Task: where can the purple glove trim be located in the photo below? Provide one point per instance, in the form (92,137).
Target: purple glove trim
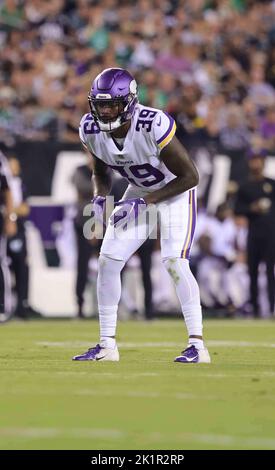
(128,211)
(98,203)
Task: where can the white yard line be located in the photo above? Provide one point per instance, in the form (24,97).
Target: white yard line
(242,323)
(101,373)
(158,344)
(218,440)
(252,442)
(38,433)
(263,323)
(141,394)
(96,373)
(241,344)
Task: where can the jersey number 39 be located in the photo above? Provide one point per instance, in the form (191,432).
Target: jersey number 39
(135,173)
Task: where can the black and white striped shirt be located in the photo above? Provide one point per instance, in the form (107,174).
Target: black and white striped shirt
(4,178)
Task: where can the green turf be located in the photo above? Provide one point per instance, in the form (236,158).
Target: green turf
(146,401)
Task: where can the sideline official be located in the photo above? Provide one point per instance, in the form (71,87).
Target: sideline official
(7,229)
(256,201)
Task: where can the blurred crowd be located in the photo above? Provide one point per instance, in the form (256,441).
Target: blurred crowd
(209,63)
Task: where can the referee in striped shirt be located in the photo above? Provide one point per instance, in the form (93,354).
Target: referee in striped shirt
(7,229)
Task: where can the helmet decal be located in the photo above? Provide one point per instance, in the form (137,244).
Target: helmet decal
(133,87)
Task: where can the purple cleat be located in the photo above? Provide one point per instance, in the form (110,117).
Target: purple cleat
(97,353)
(193,355)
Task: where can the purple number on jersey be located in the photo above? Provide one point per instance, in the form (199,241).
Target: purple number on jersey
(144,172)
(90,127)
(123,173)
(145,119)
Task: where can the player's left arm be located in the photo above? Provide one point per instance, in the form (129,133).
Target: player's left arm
(176,159)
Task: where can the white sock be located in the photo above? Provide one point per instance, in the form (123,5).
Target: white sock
(106,342)
(107,320)
(188,293)
(198,343)
(108,294)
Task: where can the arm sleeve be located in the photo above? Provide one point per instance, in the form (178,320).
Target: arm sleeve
(164,129)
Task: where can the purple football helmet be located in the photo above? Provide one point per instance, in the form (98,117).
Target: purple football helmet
(116,89)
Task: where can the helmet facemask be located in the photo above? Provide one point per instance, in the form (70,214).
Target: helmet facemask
(122,115)
(115,89)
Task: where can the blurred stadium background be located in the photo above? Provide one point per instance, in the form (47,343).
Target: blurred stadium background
(211,65)
(208,63)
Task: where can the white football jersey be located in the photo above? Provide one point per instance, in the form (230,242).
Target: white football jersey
(138,159)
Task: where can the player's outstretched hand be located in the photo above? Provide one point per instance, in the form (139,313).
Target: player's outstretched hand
(128,210)
(98,208)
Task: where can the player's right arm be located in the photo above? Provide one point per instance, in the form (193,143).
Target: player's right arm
(102,181)
(101,175)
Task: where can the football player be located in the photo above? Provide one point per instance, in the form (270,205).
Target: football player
(139,142)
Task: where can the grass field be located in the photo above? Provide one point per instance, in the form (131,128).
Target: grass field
(146,401)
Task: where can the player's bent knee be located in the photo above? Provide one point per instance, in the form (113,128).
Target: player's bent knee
(105,260)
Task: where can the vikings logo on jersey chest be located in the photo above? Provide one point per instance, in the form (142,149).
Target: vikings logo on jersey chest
(124,162)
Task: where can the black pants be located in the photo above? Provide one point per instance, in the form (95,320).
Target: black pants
(261,249)
(84,252)
(17,253)
(2,276)
(145,255)
(5,283)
